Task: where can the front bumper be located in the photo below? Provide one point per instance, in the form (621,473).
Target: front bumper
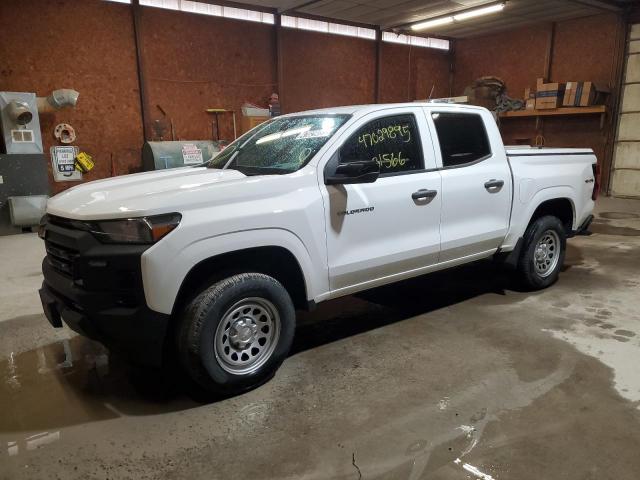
(97,291)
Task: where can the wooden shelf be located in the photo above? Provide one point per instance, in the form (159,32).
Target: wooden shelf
(556,111)
(595,110)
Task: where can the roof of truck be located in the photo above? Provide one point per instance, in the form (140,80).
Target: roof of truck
(352,109)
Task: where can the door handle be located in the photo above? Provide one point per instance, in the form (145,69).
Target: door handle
(424,194)
(493,185)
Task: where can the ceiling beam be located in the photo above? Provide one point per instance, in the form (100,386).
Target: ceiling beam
(599,5)
(293,8)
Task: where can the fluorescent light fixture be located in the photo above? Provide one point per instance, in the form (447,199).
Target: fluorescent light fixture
(478,12)
(432,23)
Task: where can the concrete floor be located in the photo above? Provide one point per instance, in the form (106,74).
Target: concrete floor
(449,376)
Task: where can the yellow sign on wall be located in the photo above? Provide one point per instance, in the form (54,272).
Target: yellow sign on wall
(84,162)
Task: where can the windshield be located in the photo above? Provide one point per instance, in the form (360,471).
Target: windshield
(279,146)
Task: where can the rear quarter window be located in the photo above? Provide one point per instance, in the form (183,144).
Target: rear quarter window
(463,138)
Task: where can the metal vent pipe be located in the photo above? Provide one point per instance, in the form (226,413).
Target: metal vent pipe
(65,97)
(19,112)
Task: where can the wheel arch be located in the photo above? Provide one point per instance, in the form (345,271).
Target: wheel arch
(273,260)
(166,265)
(560,207)
(553,201)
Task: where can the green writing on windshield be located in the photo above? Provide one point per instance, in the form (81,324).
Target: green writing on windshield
(390,160)
(388,133)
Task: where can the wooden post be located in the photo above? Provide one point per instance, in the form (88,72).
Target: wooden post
(548,61)
(452,67)
(279,61)
(137,18)
(378,64)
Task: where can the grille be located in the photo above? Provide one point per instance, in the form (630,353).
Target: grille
(61,258)
(59,255)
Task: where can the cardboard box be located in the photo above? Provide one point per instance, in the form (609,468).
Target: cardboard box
(584,94)
(592,94)
(569,94)
(549,95)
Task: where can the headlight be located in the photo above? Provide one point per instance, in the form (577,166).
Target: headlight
(141,230)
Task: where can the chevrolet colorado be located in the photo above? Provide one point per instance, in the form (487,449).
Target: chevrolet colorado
(210,262)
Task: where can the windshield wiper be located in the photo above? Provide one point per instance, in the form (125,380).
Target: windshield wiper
(234,155)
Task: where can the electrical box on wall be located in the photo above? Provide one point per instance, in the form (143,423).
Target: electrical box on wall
(20,123)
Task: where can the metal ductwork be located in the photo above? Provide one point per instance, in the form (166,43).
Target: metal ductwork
(19,112)
(19,123)
(65,97)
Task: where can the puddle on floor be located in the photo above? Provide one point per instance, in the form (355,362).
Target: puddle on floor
(619,215)
(606,320)
(73,382)
(606,229)
(612,349)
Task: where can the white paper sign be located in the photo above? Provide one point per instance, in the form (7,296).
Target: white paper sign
(63,164)
(191,154)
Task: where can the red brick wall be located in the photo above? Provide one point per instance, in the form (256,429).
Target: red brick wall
(193,62)
(324,70)
(409,74)
(583,49)
(516,56)
(86,45)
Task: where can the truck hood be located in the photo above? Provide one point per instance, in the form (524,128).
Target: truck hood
(141,194)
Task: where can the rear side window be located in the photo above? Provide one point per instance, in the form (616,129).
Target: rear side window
(463,138)
(393,142)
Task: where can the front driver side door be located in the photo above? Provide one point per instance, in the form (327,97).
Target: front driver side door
(382,231)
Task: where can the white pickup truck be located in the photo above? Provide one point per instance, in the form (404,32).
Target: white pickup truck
(209,263)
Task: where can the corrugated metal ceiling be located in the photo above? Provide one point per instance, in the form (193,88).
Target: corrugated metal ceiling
(390,14)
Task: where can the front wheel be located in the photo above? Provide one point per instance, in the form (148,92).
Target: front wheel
(542,253)
(236,333)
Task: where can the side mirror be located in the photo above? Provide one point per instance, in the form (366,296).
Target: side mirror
(361,171)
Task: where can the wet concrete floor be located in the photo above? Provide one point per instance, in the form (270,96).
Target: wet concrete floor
(450,376)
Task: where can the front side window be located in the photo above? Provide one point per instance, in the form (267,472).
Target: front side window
(280,146)
(393,142)
(463,138)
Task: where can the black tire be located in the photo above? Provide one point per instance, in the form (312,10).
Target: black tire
(531,277)
(197,335)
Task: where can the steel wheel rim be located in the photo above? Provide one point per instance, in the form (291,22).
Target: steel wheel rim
(247,335)
(546,255)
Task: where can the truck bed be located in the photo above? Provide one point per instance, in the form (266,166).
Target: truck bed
(527,150)
(539,173)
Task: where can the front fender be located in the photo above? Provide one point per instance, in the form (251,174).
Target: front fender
(165,266)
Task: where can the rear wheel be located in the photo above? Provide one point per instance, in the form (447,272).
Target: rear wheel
(236,333)
(542,253)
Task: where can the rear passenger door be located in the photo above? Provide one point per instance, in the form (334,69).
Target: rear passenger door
(476,183)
